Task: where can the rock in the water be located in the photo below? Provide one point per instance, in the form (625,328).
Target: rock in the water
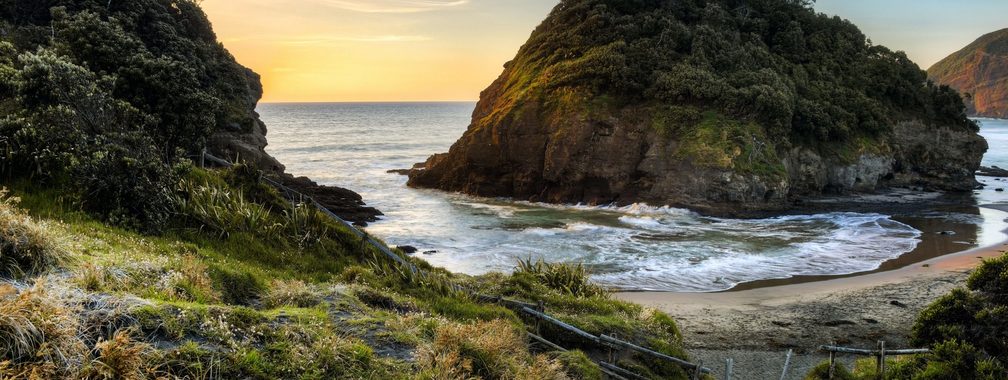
(993,171)
(430,252)
(407,249)
(947,233)
(636,103)
(345,203)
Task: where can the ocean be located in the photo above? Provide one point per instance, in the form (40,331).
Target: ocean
(639,247)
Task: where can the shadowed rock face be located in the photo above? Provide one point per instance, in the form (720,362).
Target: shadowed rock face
(980,70)
(538,135)
(246,143)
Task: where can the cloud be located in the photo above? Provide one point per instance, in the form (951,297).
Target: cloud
(393,6)
(321,40)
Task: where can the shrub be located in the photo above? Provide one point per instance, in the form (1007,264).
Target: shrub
(821,372)
(26,246)
(991,279)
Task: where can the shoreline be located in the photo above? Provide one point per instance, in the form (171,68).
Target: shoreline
(756,326)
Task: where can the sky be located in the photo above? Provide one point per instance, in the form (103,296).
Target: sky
(438,50)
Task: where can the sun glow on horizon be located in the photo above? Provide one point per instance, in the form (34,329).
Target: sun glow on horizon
(450,50)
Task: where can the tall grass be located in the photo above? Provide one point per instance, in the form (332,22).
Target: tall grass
(27,246)
(489,350)
(568,279)
(224,210)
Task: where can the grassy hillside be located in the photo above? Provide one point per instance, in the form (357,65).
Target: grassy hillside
(121,259)
(244,285)
(980,72)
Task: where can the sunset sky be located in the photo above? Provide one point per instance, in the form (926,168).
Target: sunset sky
(416,50)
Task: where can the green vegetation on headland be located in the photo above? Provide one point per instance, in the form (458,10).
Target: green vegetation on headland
(119,258)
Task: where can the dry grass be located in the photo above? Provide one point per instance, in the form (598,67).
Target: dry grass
(27,246)
(37,327)
(490,350)
(292,293)
(121,357)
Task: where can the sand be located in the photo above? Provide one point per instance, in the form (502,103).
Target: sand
(756,327)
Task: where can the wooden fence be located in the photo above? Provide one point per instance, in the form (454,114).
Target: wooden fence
(880,355)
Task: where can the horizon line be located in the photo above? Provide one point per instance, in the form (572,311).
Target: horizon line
(363,101)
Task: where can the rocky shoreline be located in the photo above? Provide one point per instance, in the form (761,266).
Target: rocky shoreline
(345,203)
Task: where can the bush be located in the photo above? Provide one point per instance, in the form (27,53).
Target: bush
(27,246)
(127,185)
(821,372)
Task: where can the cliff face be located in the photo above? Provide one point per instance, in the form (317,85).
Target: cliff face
(980,70)
(712,105)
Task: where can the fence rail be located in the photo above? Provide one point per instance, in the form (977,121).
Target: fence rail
(880,355)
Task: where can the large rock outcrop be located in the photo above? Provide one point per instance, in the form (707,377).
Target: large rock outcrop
(979,70)
(717,105)
(243,139)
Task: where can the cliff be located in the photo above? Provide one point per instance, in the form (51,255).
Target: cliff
(980,71)
(716,105)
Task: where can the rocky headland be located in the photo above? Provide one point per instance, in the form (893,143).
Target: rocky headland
(980,72)
(720,108)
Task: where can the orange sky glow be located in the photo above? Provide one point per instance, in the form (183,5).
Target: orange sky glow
(433,50)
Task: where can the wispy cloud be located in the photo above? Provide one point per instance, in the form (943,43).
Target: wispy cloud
(394,6)
(319,40)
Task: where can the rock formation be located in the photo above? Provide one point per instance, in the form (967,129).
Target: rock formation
(980,72)
(721,107)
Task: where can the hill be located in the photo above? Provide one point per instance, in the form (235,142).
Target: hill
(722,106)
(980,72)
(123,258)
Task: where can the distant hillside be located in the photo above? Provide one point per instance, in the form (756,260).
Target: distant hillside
(980,72)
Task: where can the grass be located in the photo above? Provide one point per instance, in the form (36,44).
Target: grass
(287,294)
(27,246)
(713,140)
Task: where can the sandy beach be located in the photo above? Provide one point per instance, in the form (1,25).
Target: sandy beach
(756,327)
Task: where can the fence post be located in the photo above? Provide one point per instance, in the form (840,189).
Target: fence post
(698,371)
(787,363)
(881,360)
(729,367)
(832,361)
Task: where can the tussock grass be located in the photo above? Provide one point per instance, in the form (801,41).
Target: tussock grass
(27,246)
(569,279)
(292,293)
(121,357)
(489,350)
(37,327)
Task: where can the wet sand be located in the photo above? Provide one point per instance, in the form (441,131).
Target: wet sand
(756,325)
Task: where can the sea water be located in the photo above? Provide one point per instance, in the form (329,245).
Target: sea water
(638,247)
